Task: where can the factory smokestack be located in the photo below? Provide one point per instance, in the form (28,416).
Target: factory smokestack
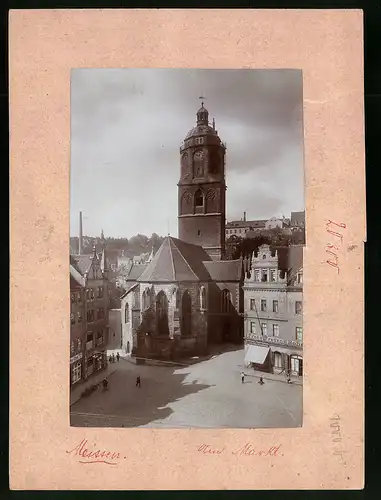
(80,241)
(244,216)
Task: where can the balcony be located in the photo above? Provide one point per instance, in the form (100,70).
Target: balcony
(89,345)
(265,340)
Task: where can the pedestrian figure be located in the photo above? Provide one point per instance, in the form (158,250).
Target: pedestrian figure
(117,356)
(260,381)
(242,377)
(113,357)
(110,359)
(288,378)
(138,381)
(105,384)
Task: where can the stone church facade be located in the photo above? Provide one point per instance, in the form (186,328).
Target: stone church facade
(188,298)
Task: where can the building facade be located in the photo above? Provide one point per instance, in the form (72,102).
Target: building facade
(89,316)
(273,303)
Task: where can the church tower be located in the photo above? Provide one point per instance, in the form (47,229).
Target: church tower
(201,189)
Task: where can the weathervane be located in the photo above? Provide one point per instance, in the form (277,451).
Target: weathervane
(202,100)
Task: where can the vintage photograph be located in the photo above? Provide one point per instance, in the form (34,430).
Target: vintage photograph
(187,229)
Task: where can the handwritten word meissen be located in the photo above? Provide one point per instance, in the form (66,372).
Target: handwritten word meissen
(95,455)
(331,248)
(246,450)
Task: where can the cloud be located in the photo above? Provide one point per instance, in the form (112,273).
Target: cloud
(127,126)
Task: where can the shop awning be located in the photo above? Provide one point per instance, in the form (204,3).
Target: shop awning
(256,354)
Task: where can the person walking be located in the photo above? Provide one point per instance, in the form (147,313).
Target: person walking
(138,381)
(110,359)
(117,356)
(260,381)
(242,377)
(113,357)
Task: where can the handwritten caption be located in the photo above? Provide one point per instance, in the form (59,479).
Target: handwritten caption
(335,229)
(337,438)
(91,454)
(245,450)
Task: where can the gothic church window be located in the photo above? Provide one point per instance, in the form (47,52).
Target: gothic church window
(202,298)
(225,301)
(127,314)
(199,201)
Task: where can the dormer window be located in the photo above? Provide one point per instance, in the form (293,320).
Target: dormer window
(264,275)
(272,275)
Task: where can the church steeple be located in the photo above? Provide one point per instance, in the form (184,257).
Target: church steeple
(201,218)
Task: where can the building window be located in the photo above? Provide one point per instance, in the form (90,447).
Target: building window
(272,275)
(202,298)
(90,315)
(299,334)
(100,292)
(89,337)
(91,294)
(298,307)
(225,301)
(79,297)
(264,329)
(79,344)
(87,294)
(100,313)
(275,330)
(127,313)
(79,317)
(76,372)
(72,319)
(198,233)
(72,347)
(252,327)
(257,276)
(263,305)
(264,257)
(72,298)
(264,275)
(275,306)
(252,304)
(299,277)
(277,360)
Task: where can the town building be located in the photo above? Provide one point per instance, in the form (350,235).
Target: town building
(88,315)
(241,227)
(188,297)
(273,304)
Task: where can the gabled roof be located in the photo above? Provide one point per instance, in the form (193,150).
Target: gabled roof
(128,290)
(295,260)
(76,279)
(82,262)
(175,261)
(224,270)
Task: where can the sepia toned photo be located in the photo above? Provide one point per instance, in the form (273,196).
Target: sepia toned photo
(187,229)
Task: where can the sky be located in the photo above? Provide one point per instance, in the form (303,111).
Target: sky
(127,126)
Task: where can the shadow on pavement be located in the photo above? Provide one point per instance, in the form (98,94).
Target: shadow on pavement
(125,405)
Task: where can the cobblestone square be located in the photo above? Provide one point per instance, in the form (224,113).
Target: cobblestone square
(208,394)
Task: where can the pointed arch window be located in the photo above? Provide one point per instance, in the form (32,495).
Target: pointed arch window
(226,301)
(127,313)
(199,201)
(202,298)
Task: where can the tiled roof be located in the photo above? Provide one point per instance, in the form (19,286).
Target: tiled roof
(228,270)
(177,260)
(135,272)
(82,262)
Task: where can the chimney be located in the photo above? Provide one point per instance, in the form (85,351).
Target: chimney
(80,242)
(244,216)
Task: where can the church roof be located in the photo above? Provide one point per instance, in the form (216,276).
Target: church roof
(135,271)
(201,130)
(175,261)
(224,270)
(76,279)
